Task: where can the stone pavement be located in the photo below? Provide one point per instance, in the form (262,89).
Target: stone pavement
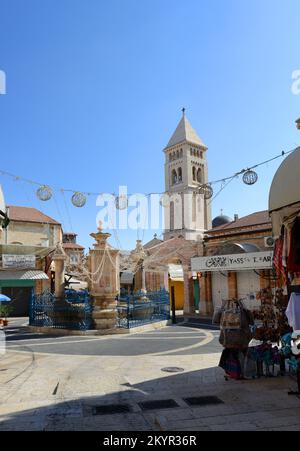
(48,384)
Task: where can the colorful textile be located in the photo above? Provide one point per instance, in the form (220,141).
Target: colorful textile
(231,364)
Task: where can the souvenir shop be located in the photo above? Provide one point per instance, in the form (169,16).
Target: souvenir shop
(284,208)
(266,341)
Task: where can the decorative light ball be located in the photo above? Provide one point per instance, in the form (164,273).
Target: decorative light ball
(250,177)
(121,202)
(44,193)
(164,200)
(207,191)
(78,200)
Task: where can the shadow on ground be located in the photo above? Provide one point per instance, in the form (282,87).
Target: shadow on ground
(246,405)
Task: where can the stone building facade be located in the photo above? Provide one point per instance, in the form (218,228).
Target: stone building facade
(25,246)
(246,246)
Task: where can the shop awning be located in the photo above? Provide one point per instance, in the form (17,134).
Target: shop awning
(20,249)
(126,278)
(176,273)
(23,275)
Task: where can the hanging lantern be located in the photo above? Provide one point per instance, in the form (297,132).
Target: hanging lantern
(250,177)
(207,191)
(165,200)
(121,202)
(78,200)
(44,193)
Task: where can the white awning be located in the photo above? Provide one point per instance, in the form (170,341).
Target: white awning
(126,278)
(23,275)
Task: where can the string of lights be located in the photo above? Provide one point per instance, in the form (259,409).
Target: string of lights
(79,198)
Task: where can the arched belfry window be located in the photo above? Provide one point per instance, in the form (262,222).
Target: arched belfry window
(194,173)
(179,175)
(199,176)
(174,177)
(177,154)
(181,153)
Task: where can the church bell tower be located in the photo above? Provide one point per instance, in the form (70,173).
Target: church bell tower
(186,212)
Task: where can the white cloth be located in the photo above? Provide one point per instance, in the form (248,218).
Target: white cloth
(293,311)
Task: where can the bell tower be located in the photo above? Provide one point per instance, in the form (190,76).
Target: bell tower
(187,213)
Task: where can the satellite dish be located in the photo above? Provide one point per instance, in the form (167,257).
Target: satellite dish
(2,202)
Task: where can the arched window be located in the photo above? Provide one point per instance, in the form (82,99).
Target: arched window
(194,173)
(177,154)
(181,153)
(179,175)
(199,176)
(170,157)
(198,154)
(174,177)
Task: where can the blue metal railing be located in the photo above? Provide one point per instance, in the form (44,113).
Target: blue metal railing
(139,309)
(73,313)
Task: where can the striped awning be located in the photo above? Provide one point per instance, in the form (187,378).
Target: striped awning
(26,274)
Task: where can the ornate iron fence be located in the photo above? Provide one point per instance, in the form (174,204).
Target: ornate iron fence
(73,313)
(139,309)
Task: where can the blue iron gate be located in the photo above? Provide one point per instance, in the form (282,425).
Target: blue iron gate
(75,313)
(137,309)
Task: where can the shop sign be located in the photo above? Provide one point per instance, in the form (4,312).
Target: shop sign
(234,262)
(18,261)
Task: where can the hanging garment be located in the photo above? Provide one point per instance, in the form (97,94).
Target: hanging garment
(232,362)
(293,311)
(285,247)
(294,252)
(278,261)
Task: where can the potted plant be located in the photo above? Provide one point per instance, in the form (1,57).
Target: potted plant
(5,311)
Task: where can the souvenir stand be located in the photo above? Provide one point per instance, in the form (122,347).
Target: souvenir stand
(284,209)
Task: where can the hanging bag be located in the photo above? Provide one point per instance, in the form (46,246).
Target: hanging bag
(231,317)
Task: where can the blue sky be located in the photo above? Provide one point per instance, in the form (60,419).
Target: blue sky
(95,89)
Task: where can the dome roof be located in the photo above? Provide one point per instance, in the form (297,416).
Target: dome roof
(286,183)
(221,220)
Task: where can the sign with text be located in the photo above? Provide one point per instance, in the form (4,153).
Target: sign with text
(18,261)
(234,262)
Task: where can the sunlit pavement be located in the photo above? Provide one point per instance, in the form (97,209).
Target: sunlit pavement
(55,383)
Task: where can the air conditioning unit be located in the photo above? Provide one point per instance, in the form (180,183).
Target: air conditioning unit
(269,241)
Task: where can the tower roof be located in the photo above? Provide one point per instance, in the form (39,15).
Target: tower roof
(185,133)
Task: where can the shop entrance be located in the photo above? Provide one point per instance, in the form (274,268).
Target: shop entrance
(219,288)
(248,285)
(20,293)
